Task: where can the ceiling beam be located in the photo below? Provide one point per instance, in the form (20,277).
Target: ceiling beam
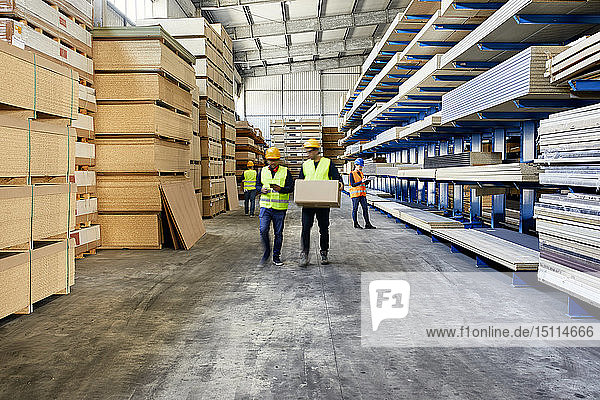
(301,66)
(216,4)
(312,24)
(306,49)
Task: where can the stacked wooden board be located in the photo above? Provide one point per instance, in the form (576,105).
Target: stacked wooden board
(428,221)
(144,130)
(61,31)
(289,135)
(212,49)
(331,147)
(515,172)
(570,148)
(249,146)
(465,159)
(37,173)
(501,251)
(569,230)
(580,60)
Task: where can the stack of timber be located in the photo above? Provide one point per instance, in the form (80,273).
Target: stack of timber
(249,146)
(144,130)
(465,159)
(569,229)
(579,61)
(37,192)
(60,31)
(195,152)
(212,48)
(515,172)
(570,148)
(427,221)
(331,147)
(291,133)
(504,252)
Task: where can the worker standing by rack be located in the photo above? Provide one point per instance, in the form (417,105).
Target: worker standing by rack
(358,194)
(316,168)
(275,183)
(249,187)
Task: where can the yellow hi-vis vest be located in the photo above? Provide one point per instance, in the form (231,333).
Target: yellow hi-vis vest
(249,182)
(321,173)
(273,199)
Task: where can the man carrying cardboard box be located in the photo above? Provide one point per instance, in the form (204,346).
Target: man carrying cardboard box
(358,194)
(316,168)
(275,183)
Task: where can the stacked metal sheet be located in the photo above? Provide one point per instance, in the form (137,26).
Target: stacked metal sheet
(569,230)
(570,148)
(465,159)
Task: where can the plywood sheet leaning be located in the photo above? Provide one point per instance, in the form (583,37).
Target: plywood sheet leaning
(182,209)
(232,193)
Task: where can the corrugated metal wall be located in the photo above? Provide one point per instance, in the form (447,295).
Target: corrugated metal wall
(311,94)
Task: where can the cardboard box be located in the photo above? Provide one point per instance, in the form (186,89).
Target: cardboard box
(319,194)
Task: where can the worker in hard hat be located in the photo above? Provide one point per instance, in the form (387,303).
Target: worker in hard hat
(275,183)
(316,167)
(249,187)
(358,194)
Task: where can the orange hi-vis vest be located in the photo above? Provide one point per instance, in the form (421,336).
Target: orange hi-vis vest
(360,190)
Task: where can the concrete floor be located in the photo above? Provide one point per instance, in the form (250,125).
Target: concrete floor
(208,323)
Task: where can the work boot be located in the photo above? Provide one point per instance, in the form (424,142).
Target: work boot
(304,260)
(369,226)
(324,259)
(357,226)
(277,261)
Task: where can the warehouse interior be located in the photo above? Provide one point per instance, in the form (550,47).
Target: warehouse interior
(164,162)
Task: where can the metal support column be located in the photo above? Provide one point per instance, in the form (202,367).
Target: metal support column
(405,156)
(444,201)
(476,142)
(458,199)
(421,191)
(405,190)
(431,193)
(421,154)
(412,191)
(526,221)
(528,132)
(458,145)
(413,155)
(443,148)
(499,200)
(475,208)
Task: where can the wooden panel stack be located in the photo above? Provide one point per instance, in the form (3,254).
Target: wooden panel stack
(38,98)
(212,49)
(569,229)
(196,153)
(249,146)
(465,159)
(579,61)
(331,147)
(295,132)
(144,130)
(60,31)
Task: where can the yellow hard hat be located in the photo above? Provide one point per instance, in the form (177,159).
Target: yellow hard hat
(273,153)
(312,144)
(251,163)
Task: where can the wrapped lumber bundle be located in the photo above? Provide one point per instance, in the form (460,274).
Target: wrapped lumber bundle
(39,101)
(465,159)
(570,148)
(569,231)
(146,104)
